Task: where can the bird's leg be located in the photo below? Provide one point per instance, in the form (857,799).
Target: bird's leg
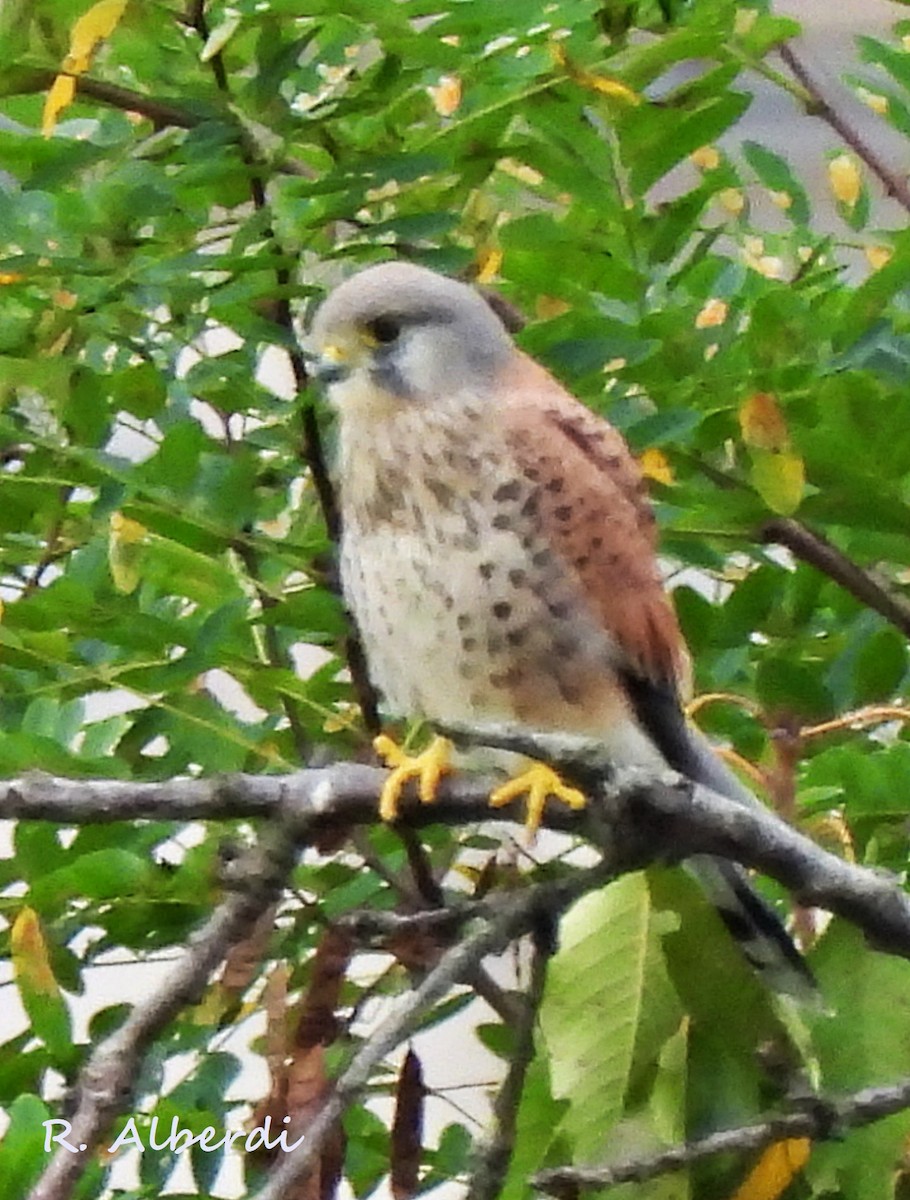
(538,782)
(427,768)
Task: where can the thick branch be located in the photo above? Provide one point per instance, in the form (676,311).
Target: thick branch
(812,548)
(105,1085)
(512,916)
(639,819)
(821,1119)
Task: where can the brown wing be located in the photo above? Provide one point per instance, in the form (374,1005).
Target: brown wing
(594,507)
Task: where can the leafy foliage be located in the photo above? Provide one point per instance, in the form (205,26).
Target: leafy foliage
(166,563)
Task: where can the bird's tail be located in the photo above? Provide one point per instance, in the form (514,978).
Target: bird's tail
(756,927)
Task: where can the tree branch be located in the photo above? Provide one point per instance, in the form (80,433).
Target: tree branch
(637,819)
(105,1084)
(894,183)
(816,550)
(491,1170)
(510,917)
(821,1119)
(161,112)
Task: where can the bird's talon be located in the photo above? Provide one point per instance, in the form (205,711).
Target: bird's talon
(538,782)
(427,768)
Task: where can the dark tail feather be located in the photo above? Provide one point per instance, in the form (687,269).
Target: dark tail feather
(751,921)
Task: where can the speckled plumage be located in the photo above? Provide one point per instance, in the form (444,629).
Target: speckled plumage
(498,552)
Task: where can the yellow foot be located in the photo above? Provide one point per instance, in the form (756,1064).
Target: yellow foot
(427,768)
(539,782)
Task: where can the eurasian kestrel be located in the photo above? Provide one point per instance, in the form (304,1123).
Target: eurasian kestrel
(498,552)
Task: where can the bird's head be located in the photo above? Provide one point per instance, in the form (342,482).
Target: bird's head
(401,334)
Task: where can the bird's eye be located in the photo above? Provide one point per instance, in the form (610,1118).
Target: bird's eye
(384,330)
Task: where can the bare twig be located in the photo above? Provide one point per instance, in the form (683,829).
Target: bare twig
(276,655)
(822,1118)
(493,1164)
(893,182)
(512,916)
(814,549)
(161,112)
(105,1085)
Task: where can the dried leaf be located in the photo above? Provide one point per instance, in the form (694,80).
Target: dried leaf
(317,1023)
(775,1170)
(763,424)
(407,1129)
(713,313)
(244,958)
(446,95)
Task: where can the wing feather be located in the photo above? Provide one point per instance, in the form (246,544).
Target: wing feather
(594,507)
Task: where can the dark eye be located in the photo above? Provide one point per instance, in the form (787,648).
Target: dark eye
(384,329)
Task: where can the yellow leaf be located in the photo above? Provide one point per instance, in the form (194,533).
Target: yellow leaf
(446,95)
(124,552)
(781,199)
(763,424)
(732,200)
(548,307)
(706,158)
(488,263)
(591,81)
(845,179)
(60,96)
(93,27)
(7,277)
(878,256)
(713,313)
(873,100)
(654,465)
(775,1170)
(779,478)
(29,953)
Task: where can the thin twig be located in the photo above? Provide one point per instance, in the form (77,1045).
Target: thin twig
(276,655)
(816,550)
(821,1119)
(161,112)
(895,184)
(492,1167)
(105,1085)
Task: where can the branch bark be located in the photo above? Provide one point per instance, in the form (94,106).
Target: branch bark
(637,819)
(818,552)
(893,182)
(105,1085)
(821,1119)
(508,918)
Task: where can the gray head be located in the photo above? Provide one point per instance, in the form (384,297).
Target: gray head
(406,335)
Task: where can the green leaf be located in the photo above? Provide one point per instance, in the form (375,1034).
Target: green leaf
(592,1008)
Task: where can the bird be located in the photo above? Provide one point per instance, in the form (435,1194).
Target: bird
(498,556)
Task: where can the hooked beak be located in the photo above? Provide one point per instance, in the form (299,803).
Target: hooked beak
(331,366)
